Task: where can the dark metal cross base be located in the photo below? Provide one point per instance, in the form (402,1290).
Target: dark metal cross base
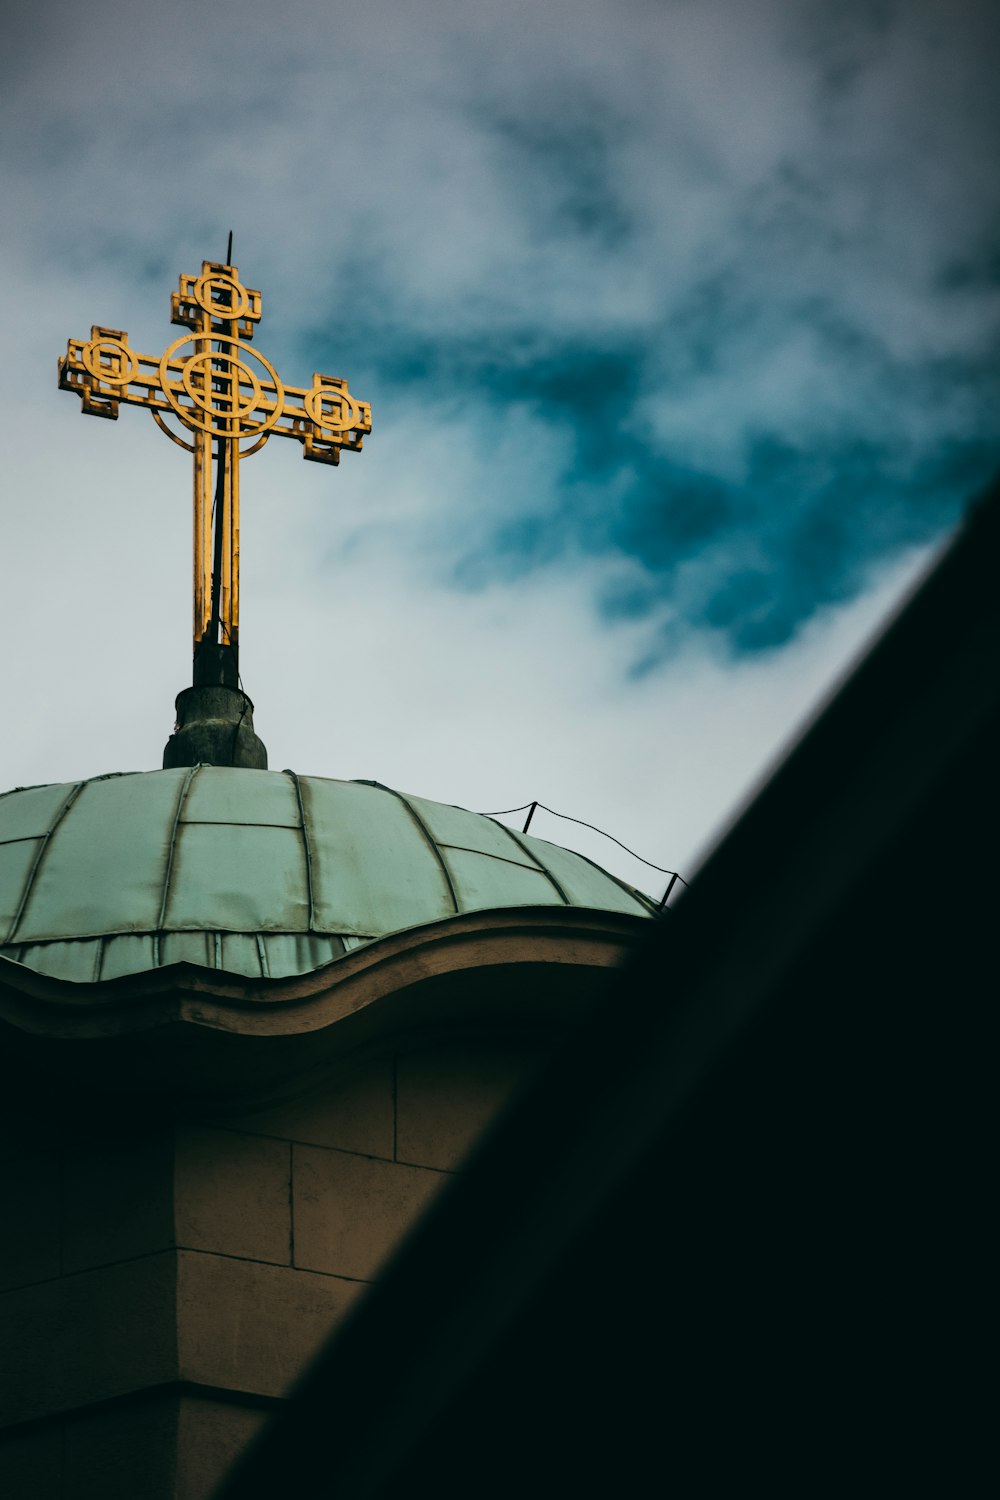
(215,665)
(214,728)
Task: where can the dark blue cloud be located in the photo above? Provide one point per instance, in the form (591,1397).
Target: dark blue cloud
(976,270)
(559,161)
(804,382)
(748,552)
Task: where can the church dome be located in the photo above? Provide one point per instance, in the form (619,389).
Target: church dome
(257,873)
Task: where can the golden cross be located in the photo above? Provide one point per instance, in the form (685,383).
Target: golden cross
(217,387)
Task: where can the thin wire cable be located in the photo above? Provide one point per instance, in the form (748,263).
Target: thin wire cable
(239,722)
(594,828)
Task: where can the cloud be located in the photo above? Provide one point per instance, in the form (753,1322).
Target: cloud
(679,322)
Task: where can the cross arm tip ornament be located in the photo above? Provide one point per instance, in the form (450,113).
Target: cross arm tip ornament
(99,370)
(335,420)
(218,292)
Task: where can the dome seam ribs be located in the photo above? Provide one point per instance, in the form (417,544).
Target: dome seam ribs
(432,842)
(29,884)
(522,845)
(623,885)
(181,799)
(307,848)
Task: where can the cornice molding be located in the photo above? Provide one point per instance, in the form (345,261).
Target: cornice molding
(187,1025)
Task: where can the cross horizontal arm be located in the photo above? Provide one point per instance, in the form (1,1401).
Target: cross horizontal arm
(221,387)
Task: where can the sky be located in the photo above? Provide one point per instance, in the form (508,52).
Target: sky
(679,322)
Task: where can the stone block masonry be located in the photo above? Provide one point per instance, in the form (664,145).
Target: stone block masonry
(163,1286)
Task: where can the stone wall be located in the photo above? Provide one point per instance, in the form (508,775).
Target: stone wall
(162,1286)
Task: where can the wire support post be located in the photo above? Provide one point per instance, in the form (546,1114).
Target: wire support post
(670,885)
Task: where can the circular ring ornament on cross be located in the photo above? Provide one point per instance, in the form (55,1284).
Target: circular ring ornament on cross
(252,406)
(231,306)
(122,368)
(344,419)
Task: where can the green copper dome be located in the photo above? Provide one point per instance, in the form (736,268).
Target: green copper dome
(259,873)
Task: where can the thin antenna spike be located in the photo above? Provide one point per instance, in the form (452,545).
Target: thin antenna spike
(229,250)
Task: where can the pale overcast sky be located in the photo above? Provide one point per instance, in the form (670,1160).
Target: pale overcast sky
(678,318)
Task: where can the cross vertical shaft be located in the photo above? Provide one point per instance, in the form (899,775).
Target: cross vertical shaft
(216,510)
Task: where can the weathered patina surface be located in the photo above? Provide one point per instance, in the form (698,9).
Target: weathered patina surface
(256,873)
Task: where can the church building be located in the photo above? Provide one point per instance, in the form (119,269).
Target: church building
(252,1021)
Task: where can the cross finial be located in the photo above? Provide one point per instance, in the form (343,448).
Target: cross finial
(227,400)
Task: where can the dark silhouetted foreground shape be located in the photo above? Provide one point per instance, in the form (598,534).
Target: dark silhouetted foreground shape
(756,1258)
